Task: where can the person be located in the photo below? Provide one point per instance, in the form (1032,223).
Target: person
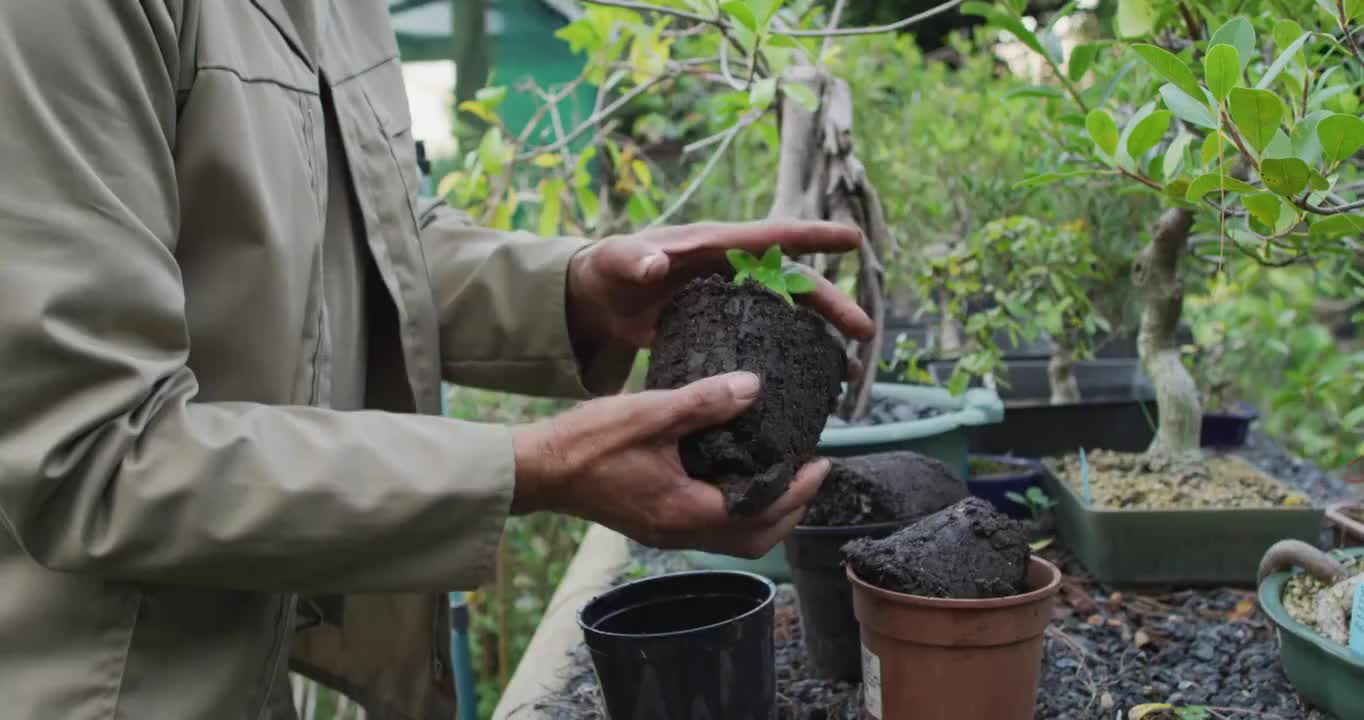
(224,319)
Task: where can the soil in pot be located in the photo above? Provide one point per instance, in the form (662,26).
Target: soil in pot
(865,496)
(1302,590)
(883,487)
(952,612)
(1120,481)
(713,326)
(967,551)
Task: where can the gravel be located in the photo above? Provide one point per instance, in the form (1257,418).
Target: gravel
(1105,651)
(888,410)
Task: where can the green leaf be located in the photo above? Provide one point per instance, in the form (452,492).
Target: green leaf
(1135,18)
(1341,136)
(588,204)
(1306,144)
(551,192)
(1337,226)
(1280,146)
(491,97)
(760,96)
(1186,108)
(1222,70)
(1148,132)
(1256,114)
(742,260)
(1285,32)
(1051,177)
(1204,184)
(740,277)
(1174,155)
(1264,206)
(1285,176)
(1316,181)
(1015,497)
(1016,27)
(741,14)
(958,383)
(1284,58)
(772,258)
(493,151)
(1170,67)
(785,42)
(1081,60)
(1103,131)
(1211,144)
(801,94)
(798,283)
(1239,34)
(1035,91)
(1354,418)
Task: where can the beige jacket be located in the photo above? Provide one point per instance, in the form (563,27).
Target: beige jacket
(169,478)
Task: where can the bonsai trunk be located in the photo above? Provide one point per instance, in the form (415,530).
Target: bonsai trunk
(819,178)
(1155,275)
(1065,388)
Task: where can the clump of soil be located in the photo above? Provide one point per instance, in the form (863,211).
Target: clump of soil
(1302,589)
(968,551)
(883,487)
(713,327)
(1118,480)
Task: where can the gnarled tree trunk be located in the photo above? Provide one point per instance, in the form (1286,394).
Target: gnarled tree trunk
(819,178)
(1065,388)
(1156,276)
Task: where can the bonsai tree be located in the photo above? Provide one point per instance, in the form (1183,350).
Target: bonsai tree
(1246,126)
(767,65)
(1017,277)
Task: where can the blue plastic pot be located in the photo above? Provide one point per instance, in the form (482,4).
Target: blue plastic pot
(942,436)
(1227,429)
(995,488)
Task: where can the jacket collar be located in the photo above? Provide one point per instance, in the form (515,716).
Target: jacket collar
(297,21)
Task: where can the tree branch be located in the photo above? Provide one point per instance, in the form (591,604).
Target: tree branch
(834,16)
(650,7)
(725,140)
(595,120)
(1349,36)
(873,30)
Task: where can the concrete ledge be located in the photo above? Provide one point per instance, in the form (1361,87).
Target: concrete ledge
(603,555)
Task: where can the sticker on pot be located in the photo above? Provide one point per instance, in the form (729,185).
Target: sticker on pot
(1357,622)
(871,683)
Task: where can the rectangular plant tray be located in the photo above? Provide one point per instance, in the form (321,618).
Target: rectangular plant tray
(1174,547)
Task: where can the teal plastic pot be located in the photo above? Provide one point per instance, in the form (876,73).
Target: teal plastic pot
(942,437)
(1323,672)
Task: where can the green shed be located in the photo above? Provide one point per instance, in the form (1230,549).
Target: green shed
(505,41)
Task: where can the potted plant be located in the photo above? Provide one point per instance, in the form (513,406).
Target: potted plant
(1010,483)
(869,496)
(952,612)
(1308,595)
(1018,278)
(1210,140)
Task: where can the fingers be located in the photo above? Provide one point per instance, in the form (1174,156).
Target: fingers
(632,258)
(796,237)
(832,303)
(804,486)
(704,403)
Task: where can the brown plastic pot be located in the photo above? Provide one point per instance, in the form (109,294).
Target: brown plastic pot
(938,659)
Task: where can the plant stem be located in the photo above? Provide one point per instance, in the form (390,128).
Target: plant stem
(1349,35)
(872,30)
(695,184)
(595,120)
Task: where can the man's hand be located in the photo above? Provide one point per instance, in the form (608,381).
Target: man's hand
(617,287)
(614,461)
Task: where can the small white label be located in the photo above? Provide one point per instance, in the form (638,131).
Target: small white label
(871,683)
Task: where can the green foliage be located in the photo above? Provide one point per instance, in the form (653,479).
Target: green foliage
(1035,500)
(769,272)
(1016,277)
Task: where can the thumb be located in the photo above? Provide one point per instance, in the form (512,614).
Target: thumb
(705,403)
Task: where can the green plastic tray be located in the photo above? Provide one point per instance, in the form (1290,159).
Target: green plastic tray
(942,437)
(1174,547)
(1323,672)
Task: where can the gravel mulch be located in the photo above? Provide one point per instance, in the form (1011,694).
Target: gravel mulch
(1105,652)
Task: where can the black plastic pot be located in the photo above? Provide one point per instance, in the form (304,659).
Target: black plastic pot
(831,634)
(995,487)
(1227,429)
(685,646)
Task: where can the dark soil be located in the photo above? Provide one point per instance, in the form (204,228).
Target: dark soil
(968,551)
(713,327)
(884,487)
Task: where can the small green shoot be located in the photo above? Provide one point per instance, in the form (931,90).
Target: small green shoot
(1036,501)
(769,272)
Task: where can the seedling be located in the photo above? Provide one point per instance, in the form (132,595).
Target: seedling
(1036,501)
(769,273)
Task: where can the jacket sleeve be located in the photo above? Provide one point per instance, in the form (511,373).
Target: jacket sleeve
(108,465)
(501,298)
